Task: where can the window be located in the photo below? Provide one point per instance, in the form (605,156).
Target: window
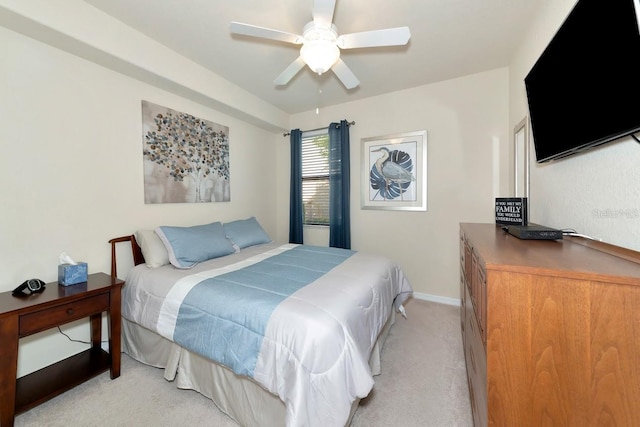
(315,177)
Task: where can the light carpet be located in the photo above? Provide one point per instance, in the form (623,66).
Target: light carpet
(423,383)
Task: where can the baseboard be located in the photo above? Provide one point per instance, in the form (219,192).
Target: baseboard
(436,298)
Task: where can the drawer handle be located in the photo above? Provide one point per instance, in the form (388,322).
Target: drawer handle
(70,311)
(473,360)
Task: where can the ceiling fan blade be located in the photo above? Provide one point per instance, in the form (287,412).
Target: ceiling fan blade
(267,33)
(323,12)
(388,37)
(289,72)
(344,73)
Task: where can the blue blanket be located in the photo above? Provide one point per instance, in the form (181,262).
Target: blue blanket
(224,318)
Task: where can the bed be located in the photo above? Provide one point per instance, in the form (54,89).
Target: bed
(274,334)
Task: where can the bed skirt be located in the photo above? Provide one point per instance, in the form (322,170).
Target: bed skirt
(241,398)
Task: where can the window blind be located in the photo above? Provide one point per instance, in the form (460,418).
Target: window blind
(315,177)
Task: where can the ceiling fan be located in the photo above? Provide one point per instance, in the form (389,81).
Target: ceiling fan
(321,44)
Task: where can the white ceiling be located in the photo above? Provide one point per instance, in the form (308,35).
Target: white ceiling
(449,39)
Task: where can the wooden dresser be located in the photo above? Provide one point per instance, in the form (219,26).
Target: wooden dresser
(551,330)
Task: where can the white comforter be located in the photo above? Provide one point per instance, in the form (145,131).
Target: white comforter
(313,352)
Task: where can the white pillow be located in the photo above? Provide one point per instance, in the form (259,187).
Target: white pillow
(154,252)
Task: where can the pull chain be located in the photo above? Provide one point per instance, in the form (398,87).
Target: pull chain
(318,96)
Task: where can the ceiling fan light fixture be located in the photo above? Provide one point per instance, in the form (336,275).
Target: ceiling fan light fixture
(319,49)
(320,55)
(321,45)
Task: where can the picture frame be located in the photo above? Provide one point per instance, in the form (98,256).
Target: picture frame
(394,172)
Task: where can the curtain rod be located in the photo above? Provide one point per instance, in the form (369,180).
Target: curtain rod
(353,123)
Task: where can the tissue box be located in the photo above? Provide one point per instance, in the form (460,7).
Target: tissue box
(70,274)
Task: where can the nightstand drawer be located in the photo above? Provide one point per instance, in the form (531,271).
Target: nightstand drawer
(49,318)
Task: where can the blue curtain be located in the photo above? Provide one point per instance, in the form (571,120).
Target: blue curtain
(295,196)
(339,186)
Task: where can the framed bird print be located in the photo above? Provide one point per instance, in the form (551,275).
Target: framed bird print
(394,172)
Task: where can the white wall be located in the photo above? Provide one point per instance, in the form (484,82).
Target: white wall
(71,168)
(466,120)
(87,32)
(595,193)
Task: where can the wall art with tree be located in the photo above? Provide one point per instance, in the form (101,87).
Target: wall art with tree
(186,159)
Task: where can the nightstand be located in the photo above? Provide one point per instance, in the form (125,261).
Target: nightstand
(57,305)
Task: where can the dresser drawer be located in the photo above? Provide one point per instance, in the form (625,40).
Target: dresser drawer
(476,360)
(54,316)
(475,350)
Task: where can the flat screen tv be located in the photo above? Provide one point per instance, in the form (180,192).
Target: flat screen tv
(584,90)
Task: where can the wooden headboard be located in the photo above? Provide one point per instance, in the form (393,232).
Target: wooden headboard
(138,258)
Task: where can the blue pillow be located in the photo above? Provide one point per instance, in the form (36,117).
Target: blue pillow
(188,246)
(246,232)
